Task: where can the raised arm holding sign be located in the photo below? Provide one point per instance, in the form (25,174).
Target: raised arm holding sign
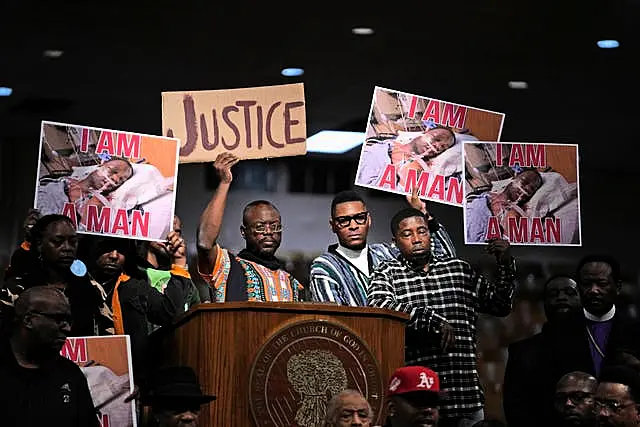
(254,274)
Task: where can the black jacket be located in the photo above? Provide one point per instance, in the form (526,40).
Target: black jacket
(56,394)
(141,303)
(523,385)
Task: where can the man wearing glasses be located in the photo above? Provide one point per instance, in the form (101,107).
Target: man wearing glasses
(617,398)
(39,386)
(573,400)
(254,274)
(341,275)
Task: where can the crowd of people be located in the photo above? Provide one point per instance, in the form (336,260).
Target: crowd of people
(582,369)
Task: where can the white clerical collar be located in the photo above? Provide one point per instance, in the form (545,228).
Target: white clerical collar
(607,316)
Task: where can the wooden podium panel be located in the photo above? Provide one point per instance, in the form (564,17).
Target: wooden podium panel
(278,363)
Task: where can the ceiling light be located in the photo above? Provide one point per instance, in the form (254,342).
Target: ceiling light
(518,84)
(5,91)
(53,54)
(292,72)
(362,31)
(608,44)
(334,141)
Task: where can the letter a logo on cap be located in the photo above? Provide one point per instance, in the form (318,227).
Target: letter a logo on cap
(425,381)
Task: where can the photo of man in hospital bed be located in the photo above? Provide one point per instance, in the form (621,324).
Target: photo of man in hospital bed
(436,150)
(84,179)
(508,194)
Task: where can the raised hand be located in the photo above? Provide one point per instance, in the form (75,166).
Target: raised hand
(223,164)
(177,249)
(500,249)
(417,203)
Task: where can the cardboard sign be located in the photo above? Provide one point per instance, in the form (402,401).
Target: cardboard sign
(252,123)
(524,192)
(108,182)
(413,141)
(106,363)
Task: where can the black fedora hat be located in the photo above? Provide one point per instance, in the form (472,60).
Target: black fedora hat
(175,383)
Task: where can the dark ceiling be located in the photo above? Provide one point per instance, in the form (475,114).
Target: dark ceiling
(118,57)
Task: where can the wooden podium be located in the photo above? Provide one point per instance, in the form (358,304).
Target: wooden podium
(277,364)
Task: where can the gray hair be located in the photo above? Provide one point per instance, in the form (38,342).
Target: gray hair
(336,402)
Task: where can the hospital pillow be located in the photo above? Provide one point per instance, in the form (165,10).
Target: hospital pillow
(554,192)
(145,184)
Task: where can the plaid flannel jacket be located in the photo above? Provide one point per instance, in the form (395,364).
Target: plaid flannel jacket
(450,291)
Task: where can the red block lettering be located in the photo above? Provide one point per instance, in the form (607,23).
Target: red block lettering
(537,231)
(129,145)
(536,156)
(454,116)
(528,155)
(388,177)
(413,181)
(499,155)
(553,229)
(104,420)
(518,229)
(106,144)
(98,220)
(493,229)
(75,349)
(412,108)
(140,223)
(454,191)
(69,210)
(84,141)
(445,114)
(121,223)
(437,188)
(432,112)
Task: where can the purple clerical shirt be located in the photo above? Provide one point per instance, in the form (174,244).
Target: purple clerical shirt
(600,332)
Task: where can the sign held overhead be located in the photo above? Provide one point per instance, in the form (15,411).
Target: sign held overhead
(252,123)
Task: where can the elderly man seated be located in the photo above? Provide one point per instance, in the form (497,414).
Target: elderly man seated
(349,408)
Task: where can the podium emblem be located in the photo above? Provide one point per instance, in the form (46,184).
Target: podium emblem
(302,365)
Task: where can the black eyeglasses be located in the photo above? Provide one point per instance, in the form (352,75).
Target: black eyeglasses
(344,221)
(58,318)
(612,406)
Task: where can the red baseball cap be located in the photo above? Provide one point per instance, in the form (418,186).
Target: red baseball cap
(413,378)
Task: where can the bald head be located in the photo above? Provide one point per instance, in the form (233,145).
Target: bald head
(39,298)
(42,323)
(348,408)
(578,377)
(574,398)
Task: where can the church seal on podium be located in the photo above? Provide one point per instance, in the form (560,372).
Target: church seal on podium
(302,365)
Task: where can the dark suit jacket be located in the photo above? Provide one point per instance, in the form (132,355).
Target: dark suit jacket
(522,383)
(536,364)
